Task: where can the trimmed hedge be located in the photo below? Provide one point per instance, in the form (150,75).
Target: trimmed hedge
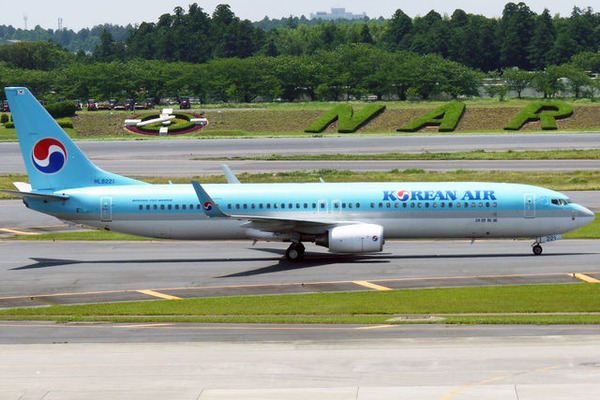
(182,123)
(347,121)
(547,112)
(446,117)
(3,119)
(65,123)
(63,109)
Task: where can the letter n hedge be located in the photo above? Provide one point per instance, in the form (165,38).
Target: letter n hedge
(348,122)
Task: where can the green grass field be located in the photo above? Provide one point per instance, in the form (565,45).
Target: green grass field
(592,154)
(540,304)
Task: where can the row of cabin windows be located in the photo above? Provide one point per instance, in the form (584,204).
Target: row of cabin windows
(458,204)
(169,207)
(290,206)
(322,205)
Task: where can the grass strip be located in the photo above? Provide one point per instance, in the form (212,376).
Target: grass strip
(591,154)
(561,181)
(581,300)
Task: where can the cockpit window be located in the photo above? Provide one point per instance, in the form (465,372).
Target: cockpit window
(561,202)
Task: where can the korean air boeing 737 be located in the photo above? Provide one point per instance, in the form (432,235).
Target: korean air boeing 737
(344,217)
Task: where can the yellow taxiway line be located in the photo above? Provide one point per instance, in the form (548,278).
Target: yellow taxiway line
(19,232)
(158,294)
(371,285)
(585,278)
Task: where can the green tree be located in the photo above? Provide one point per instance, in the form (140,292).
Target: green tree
(397,30)
(548,81)
(516,28)
(517,79)
(544,35)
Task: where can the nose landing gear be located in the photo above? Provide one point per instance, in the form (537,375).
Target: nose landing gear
(537,249)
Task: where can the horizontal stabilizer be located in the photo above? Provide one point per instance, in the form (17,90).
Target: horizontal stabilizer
(34,194)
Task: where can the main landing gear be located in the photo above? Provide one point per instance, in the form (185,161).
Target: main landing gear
(537,249)
(295,252)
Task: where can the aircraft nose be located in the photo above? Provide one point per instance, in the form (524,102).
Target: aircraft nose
(585,215)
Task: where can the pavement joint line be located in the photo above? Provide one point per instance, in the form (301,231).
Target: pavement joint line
(158,294)
(371,285)
(584,277)
(8,230)
(498,378)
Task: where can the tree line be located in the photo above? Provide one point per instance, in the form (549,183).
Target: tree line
(223,58)
(520,38)
(351,71)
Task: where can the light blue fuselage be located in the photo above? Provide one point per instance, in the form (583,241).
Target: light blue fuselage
(405,210)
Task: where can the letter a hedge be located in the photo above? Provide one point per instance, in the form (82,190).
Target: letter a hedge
(446,117)
(547,112)
(347,121)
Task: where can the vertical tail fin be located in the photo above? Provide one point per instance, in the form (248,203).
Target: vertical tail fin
(52,160)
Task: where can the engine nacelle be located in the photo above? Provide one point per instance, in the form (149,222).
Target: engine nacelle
(356,238)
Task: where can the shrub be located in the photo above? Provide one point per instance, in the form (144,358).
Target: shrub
(547,112)
(65,123)
(446,117)
(3,119)
(347,121)
(9,125)
(63,109)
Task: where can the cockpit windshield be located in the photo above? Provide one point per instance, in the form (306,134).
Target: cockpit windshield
(561,202)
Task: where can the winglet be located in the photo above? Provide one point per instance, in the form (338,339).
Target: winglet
(231,178)
(211,209)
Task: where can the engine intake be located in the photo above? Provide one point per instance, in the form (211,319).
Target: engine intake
(357,238)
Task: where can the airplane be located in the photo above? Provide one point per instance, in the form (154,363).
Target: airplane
(346,218)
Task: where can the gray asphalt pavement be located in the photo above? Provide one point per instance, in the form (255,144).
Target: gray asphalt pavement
(545,364)
(42,268)
(176,157)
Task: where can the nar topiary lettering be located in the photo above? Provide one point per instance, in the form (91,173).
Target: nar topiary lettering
(348,122)
(547,112)
(445,117)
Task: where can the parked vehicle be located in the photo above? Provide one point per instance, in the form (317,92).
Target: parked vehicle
(5,107)
(184,103)
(112,104)
(129,104)
(103,105)
(148,103)
(92,105)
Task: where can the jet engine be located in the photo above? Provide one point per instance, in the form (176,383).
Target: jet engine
(356,238)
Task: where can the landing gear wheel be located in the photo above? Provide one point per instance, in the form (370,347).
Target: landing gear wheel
(537,249)
(295,252)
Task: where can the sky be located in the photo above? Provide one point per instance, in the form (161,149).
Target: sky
(85,14)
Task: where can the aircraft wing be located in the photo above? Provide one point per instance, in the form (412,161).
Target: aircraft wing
(279,225)
(265,223)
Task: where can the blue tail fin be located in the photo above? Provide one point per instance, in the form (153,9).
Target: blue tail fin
(52,160)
